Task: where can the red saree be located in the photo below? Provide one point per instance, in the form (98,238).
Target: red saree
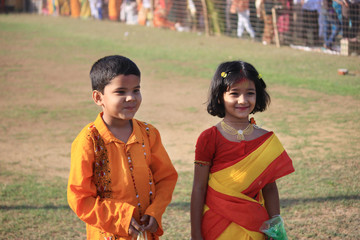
(234,204)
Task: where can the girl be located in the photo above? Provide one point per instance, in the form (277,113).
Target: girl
(236,162)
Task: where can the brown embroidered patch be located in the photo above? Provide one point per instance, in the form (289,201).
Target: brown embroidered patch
(102,174)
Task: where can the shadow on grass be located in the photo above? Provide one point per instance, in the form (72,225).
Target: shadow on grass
(26,207)
(285,202)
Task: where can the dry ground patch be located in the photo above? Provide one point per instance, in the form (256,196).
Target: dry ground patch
(46,102)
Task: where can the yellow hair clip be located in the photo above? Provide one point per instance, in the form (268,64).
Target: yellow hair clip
(224,74)
(260,76)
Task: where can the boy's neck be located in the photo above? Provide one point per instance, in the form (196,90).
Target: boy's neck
(121,129)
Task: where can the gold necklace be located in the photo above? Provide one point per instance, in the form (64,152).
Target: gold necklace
(240,134)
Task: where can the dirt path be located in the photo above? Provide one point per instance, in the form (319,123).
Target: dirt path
(40,122)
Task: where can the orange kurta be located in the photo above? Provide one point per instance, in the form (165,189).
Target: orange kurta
(111,216)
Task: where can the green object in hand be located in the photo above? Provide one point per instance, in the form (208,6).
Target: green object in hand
(274,228)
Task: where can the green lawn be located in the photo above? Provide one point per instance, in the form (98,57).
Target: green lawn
(45,102)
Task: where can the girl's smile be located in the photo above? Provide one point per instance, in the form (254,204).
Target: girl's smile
(242,108)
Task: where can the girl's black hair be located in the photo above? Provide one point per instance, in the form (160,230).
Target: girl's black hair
(225,76)
(107,68)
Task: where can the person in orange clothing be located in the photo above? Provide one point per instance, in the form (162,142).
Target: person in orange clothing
(121,177)
(161,11)
(237,163)
(114,9)
(75,8)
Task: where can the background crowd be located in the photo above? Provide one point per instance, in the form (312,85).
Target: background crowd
(312,23)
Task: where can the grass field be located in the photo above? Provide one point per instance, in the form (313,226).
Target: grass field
(46,101)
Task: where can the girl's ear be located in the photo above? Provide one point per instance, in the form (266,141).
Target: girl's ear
(97,97)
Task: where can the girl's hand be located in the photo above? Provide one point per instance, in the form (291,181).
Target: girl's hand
(150,223)
(135,228)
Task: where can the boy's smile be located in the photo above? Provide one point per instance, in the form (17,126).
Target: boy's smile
(121,99)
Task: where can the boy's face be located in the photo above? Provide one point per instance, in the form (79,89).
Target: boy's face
(121,98)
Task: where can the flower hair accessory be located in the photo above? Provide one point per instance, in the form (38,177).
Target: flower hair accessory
(259,76)
(252,121)
(224,74)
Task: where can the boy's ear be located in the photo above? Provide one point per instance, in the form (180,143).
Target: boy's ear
(97,97)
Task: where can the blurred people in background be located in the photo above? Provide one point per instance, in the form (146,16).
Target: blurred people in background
(161,11)
(53,7)
(85,11)
(96,8)
(283,21)
(199,20)
(350,18)
(145,16)
(192,14)
(266,8)
(129,12)
(259,24)
(332,24)
(314,23)
(114,9)
(75,8)
(241,7)
(64,7)
(297,21)
(310,16)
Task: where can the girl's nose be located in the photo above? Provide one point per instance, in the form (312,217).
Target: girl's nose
(241,99)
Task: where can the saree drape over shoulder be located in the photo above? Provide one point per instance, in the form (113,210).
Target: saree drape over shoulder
(234,207)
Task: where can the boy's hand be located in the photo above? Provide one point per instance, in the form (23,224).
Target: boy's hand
(135,228)
(150,223)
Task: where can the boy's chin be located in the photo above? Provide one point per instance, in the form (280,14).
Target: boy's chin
(127,116)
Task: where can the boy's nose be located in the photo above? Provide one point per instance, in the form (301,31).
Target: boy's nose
(130,97)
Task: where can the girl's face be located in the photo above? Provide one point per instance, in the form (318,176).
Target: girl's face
(240,100)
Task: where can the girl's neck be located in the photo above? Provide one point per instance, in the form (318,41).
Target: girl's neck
(237,123)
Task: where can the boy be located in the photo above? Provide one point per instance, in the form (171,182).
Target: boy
(121,178)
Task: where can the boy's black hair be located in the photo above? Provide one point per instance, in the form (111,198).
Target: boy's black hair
(107,68)
(226,75)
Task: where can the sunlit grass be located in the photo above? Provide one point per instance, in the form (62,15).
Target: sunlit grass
(44,67)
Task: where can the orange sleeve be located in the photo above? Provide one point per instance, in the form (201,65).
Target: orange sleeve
(106,214)
(165,177)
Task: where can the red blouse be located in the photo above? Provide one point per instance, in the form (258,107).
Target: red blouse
(213,148)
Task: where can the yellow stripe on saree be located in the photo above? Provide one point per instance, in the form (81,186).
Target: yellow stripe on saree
(234,192)
(238,177)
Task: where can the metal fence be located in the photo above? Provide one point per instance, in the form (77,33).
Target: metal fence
(330,26)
